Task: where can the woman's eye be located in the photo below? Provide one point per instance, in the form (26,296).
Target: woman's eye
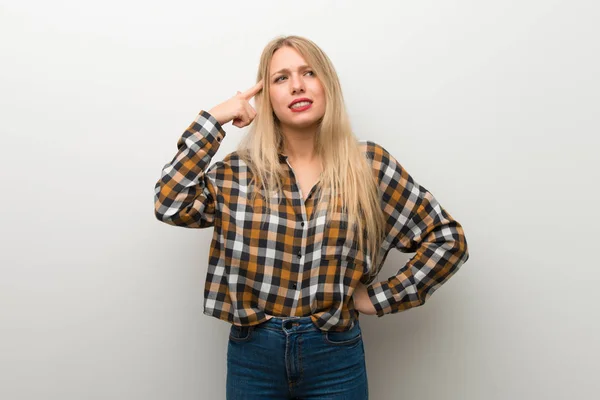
(283,76)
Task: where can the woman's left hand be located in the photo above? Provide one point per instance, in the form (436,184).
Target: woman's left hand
(362,301)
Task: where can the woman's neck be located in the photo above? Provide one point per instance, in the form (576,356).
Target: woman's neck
(299,144)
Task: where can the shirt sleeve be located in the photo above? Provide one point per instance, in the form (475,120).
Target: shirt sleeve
(417,223)
(186,193)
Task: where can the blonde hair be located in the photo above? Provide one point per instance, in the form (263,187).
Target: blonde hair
(347,176)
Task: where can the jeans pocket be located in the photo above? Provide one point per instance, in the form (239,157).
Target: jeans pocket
(240,333)
(343,338)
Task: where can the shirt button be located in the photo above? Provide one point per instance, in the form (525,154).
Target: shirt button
(299,254)
(302,223)
(294,286)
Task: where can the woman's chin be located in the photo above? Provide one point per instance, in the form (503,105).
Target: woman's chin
(302,122)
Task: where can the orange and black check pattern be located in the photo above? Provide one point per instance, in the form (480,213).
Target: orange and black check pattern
(292,259)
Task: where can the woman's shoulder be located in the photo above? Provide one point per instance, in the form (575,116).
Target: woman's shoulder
(231,168)
(233,158)
(377,155)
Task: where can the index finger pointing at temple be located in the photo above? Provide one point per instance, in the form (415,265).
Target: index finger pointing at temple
(250,93)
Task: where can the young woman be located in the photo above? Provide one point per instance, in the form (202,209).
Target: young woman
(304,215)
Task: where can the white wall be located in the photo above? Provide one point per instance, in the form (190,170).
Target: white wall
(492,106)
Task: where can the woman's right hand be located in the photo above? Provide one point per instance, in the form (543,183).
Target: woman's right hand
(237,108)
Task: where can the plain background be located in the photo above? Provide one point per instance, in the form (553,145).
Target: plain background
(491,105)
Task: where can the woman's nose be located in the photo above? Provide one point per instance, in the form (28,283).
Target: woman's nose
(297,85)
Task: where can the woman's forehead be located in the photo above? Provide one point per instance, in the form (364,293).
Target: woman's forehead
(287,58)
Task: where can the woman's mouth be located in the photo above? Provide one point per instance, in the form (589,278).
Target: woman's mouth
(301,106)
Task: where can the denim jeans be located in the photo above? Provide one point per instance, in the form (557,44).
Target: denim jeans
(290,358)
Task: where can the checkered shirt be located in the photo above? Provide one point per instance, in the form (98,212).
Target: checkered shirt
(294,259)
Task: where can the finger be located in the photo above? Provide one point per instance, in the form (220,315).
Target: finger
(242,118)
(250,93)
(247,118)
(250,111)
(239,122)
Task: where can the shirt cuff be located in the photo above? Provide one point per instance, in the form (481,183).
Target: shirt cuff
(380,293)
(209,125)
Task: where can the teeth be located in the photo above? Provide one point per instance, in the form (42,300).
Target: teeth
(301,104)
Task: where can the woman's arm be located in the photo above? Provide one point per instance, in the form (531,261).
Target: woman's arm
(416,223)
(186,193)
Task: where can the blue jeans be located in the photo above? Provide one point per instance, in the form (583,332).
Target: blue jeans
(290,358)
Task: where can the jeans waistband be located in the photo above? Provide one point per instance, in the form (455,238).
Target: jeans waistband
(289,324)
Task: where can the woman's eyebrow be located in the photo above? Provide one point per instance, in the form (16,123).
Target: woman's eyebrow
(287,70)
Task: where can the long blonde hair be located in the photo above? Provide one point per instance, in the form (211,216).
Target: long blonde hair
(347,176)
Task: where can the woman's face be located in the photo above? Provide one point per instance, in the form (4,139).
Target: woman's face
(292,79)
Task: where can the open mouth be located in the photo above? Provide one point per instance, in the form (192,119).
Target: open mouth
(301,105)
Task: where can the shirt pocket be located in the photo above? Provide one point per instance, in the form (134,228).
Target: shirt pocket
(339,239)
(260,212)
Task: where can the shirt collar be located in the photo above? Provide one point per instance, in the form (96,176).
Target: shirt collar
(282,157)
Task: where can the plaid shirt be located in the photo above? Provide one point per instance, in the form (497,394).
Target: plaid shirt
(295,260)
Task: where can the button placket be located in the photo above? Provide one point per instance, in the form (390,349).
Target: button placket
(297,198)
